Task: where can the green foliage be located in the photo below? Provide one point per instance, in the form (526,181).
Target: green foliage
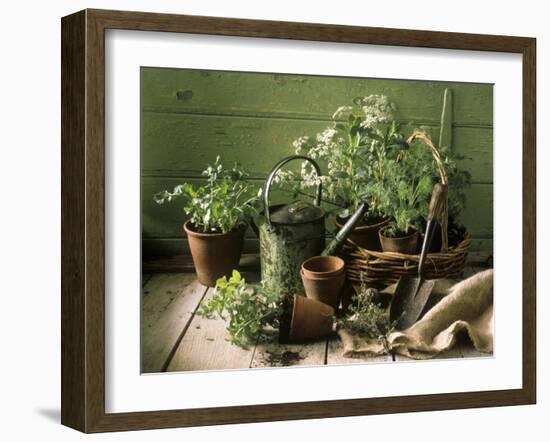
(225,202)
(353,150)
(459,180)
(247,308)
(405,190)
(367,318)
(369,160)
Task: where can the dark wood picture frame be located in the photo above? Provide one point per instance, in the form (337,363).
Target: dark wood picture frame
(83,215)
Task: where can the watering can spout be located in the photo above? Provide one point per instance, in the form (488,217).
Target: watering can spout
(343,233)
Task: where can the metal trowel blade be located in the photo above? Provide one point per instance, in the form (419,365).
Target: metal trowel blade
(409,300)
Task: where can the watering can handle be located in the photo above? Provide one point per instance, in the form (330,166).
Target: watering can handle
(271,176)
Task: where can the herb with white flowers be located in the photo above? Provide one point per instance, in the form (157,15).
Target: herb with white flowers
(353,150)
(368,159)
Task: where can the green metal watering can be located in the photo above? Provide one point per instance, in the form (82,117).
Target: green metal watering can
(290,234)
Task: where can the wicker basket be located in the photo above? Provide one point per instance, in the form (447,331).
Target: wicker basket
(384,268)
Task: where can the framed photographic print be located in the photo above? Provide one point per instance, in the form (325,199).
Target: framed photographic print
(269,220)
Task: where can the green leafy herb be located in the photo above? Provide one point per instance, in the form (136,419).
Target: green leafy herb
(368,159)
(367,318)
(224,203)
(248,309)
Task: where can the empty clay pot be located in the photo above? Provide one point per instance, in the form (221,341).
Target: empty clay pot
(311,319)
(323,266)
(214,254)
(365,236)
(324,286)
(406,244)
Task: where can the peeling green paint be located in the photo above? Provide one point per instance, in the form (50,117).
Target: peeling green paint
(283,248)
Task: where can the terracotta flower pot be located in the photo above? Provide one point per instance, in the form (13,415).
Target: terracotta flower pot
(323,266)
(406,244)
(311,319)
(214,254)
(365,236)
(323,278)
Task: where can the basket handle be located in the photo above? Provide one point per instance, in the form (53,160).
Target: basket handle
(444,211)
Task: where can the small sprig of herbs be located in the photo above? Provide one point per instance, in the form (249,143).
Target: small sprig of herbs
(248,308)
(367,318)
(227,201)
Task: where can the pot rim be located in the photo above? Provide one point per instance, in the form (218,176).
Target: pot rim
(313,273)
(323,277)
(381,234)
(239,229)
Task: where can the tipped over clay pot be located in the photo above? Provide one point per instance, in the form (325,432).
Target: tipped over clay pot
(311,319)
(323,278)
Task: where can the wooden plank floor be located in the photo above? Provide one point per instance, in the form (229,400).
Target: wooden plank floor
(175,338)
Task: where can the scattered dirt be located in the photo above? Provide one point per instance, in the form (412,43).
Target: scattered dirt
(282,359)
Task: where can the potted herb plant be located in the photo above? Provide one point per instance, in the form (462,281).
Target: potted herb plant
(404,194)
(353,149)
(219,213)
(254,312)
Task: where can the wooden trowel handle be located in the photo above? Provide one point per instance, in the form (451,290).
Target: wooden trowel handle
(439,194)
(438,199)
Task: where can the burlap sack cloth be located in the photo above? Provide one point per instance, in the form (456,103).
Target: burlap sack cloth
(466,306)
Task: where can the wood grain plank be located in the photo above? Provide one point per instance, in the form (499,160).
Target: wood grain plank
(278,355)
(467,349)
(204,347)
(291,95)
(334,355)
(189,142)
(145,277)
(454,353)
(74,350)
(184,264)
(169,302)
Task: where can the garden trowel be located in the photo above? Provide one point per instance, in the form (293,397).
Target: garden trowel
(411,294)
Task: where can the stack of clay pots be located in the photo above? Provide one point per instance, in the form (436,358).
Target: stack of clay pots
(312,315)
(323,278)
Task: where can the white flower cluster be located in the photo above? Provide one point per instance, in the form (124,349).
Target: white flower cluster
(283,176)
(377,109)
(300,143)
(334,147)
(309,177)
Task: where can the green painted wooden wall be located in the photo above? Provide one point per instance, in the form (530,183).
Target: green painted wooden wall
(190,116)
